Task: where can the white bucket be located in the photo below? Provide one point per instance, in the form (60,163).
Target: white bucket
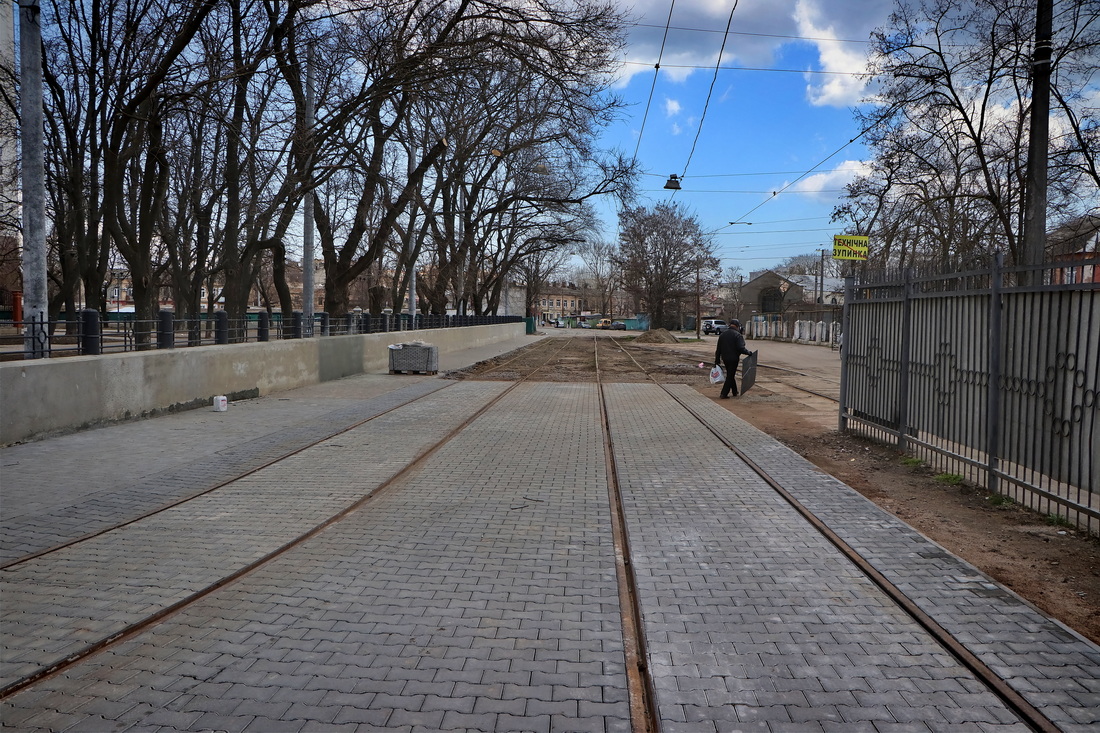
(221,404)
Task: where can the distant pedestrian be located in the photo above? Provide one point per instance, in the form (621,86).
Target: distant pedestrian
(731,345)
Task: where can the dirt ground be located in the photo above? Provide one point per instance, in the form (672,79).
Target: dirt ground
(1054,567)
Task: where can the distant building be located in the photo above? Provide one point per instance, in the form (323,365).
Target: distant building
(563,300)
(769,292)
(1076,240)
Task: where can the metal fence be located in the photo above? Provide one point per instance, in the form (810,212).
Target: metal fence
(89,335)
(989,373)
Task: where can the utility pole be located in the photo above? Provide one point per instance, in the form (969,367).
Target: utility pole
(698,298)
(1035,201)
(410,250)
(821,279)
(308,286)
(35,295)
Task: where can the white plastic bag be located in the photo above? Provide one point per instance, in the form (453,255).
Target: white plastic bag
(716,375)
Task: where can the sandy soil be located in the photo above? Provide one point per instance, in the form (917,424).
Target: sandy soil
(1054,567)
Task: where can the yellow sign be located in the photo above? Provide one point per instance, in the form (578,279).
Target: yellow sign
(848,247)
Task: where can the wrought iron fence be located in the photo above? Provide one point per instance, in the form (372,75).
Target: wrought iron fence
(89,335)
(990,373)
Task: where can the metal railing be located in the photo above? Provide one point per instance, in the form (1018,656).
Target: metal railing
(88,335)
(989,373)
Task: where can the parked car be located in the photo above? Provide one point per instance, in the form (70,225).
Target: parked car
(584,324)
(559,324)
(618,326)
(714,325)
(604,323)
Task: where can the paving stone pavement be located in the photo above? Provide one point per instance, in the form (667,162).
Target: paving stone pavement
(479,593)
(754,621)
(1054,668)
(57,604)
(476,594)
(67,487)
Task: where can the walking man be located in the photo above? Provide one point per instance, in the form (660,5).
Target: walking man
(731,345)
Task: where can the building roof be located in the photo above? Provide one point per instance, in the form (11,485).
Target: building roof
(1079,235)
(806,282)
(810,282)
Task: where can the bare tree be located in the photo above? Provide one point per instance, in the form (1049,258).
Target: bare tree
(180,140)
(950,124)
(598,256)
(665,256)
(536,271)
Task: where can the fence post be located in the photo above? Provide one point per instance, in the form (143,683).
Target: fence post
(194,330)
(263,326)
(166,330)
(849,289)
(91,334)
(221,328)
(902,412)
(993,395)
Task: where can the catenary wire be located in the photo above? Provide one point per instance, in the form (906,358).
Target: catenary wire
(710,91)
(653,86)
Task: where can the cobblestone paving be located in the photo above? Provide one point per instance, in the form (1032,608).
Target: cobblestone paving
(61,489)
(1054,668)
(753,620)
(59,604)
(476,594)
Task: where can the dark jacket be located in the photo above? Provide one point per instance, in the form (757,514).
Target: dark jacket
(731,345)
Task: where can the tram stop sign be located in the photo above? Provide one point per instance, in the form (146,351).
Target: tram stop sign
(748,371)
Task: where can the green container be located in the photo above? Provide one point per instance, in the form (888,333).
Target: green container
(530,326)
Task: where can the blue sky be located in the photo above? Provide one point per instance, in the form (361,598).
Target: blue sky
(762,129)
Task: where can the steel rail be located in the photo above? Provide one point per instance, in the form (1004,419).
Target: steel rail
(131,630)
(1028,713)
(191,497)
(803,389)
(643,697)
(221,484)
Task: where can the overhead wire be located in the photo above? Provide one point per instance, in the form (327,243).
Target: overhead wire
(751,68)
(710,91)
(824,160)
(756,35)
(653,86)
(771,191)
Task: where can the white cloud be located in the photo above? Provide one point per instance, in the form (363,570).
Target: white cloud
(847,59)
(699,46)
(672,107)
(824,185)
(759,31)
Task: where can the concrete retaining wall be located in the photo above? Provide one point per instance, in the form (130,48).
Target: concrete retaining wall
(50,396)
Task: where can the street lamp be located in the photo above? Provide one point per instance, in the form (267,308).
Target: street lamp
(673,183)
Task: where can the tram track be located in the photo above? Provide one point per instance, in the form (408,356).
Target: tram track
(1012,699)
(129,630)
(166,506)
(643,707)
